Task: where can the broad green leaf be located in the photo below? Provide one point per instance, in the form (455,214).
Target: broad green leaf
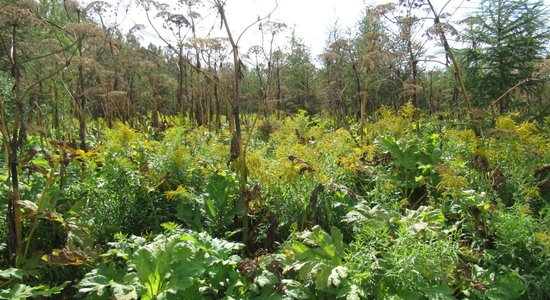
(217,193)
(350,292)
(266,278)
(295,289)
(507,286)
(23,291)
(18,291)
(11,273)
(336,276)
(125,291)
(439,292)
(337,239)
(99,280)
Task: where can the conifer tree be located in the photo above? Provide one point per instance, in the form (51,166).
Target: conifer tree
(507,39)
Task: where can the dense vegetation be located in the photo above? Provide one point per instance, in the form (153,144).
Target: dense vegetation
(192,171)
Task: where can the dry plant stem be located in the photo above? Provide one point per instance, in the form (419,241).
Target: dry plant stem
(251,131)
(5,134)
(363,115)
(492,106)
(14,215)
(240,160)
(49,183)
(458,73)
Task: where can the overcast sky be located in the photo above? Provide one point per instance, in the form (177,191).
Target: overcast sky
(311,19)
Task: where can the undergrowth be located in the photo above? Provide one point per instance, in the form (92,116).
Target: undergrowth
(391,214)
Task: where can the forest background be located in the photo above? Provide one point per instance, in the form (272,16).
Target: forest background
(220,161)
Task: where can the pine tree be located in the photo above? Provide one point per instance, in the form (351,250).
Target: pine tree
(507,39)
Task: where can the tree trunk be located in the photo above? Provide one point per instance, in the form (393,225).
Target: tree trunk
(237,151)
(357,89)
(116,83)
(81,107)
(217,98)
(131,98)
(81,99)
(55,97)
(279,93)
(430,95)
(363,115)
(181,75)
(457,71)
(13,213)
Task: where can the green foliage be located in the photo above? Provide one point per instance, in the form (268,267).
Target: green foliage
(508,39)
(318,260)
(488,285)
(112,143)
(215,209)
(410,216)
(22,291)
(414,160)
(400,256)
(521,245)
(173,265)
(11,288)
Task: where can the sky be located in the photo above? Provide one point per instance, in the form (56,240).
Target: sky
(312,20)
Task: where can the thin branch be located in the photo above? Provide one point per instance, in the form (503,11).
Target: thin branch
(257,21)
(47,76)
(155,29)
(51,53)
(509,91)
(442,9)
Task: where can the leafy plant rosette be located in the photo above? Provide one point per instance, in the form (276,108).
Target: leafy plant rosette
(317,259)
(178,264)
(12,288)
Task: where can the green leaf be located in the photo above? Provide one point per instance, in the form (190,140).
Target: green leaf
(125,291)
(175,265)
(439,292)
(23,291)
(11,272)
(336,275)
(209,202)
(217,193)
(266,278)
(18,291)
(351,292)
(295,289)
(408,295)
(507,286)
(98,281)
(337,239)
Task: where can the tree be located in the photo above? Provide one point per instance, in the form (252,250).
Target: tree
(86,36)
(374,60)
(441,29)
(113,95)
(237,149)
(507,39)
(20,28)
(14,19)
(178,25)
(268,63)
(335,60)
(299,76)
(213,55)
